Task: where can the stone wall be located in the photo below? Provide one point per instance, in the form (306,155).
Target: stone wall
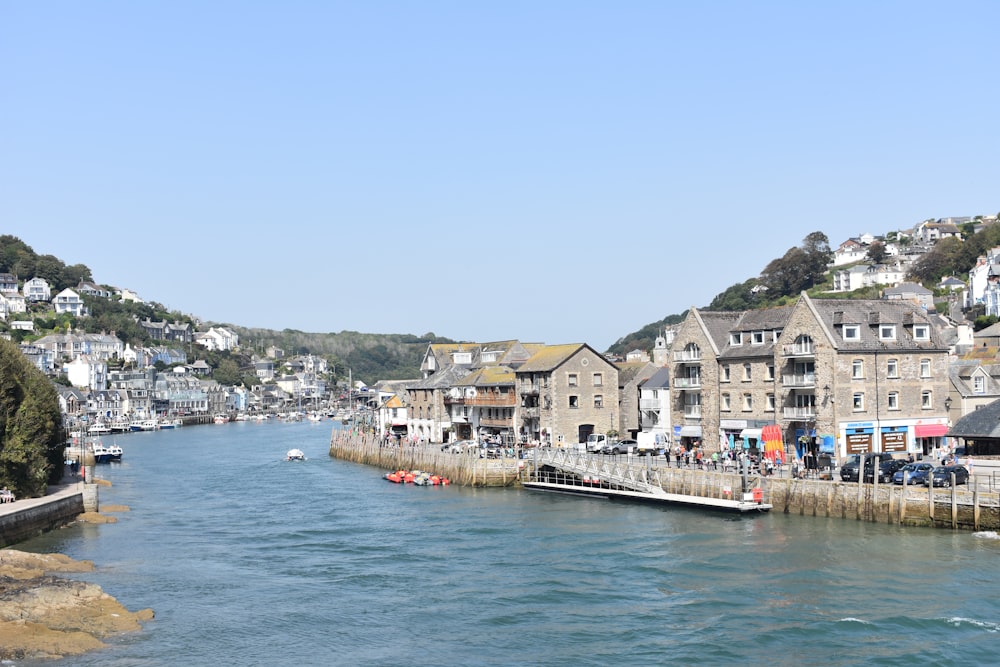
(29,518)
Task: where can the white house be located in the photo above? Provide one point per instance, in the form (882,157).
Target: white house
(70,302)
(88,373)
(37,289)
(218,338)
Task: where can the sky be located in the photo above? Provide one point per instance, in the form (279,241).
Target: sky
(547,171)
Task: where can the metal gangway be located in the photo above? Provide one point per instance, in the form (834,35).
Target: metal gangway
(588,474)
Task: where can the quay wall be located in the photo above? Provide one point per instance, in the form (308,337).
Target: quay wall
(31,517)
(963,507)
(461,469)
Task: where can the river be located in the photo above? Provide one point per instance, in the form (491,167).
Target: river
(248,559)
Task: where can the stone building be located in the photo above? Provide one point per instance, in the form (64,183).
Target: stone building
(567,392)
(837,376)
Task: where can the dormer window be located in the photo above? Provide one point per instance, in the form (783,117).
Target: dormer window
(736,338)
(462,357)
(979,384)
(921,332)
(852,332)
(757,337)
(887,332)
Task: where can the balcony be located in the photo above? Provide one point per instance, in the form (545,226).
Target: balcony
(529,413)
(498,423)
(687,356)
(492,400)
(799,381)
(650,404)
(529,389)
(453,400)
(693,411)
(799,350)
(804,413)
(687,383)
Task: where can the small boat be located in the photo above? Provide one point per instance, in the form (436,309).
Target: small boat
(149,425)
(171,423)
(104,454)
(99,429)
(295,455)
(221,419)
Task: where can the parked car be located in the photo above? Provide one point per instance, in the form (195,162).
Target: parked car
(941,476)
(619,447)
(886,469)
(849,468)
(912,473)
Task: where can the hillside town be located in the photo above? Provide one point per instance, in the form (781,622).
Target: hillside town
(837,376)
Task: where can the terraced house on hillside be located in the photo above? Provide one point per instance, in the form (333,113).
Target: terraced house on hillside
(837,376)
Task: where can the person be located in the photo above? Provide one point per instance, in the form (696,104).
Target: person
(968,465)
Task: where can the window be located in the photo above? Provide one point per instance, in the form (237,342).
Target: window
(921,332)
(892,368)
(926,401)
(894,400)
(887,332)
(757,338)
(574,402)
(770,372)
(598,379)
(747,402)
(859,402)
(925,368)
(747,372)
(858,369)
(725,373)
(726,403)
(736,338)
(852,332)
(598,401)
(979,384)
(770,403)
(571,379)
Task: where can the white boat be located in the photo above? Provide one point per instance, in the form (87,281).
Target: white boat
(148,425)
(171,423)
(99,429)
(221,419)
(104,454)
(295,455)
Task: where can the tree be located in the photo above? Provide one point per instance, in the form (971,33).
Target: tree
(31,436)
(876,252)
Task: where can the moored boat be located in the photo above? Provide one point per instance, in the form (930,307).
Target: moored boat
(295,455)
(104,454)
(221,419)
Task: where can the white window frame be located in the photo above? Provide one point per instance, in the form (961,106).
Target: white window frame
(858,369)
(769,403)
(736,338)
(921,332)
(926,399)
(893,400)
(858,401)
(892,369)
(726,404)
(979,384)
(770,372)
(725,373)
(925,368)
(748,402)
(887,332)
(598,379)
(572,380)
(852,332)
(747,372)
(757,338)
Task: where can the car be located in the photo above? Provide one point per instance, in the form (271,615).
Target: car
(912,473)
(619,447)
(886,469)
(849,468)
(941,476)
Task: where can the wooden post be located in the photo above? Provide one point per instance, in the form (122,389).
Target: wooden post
(954,502)
(975,505)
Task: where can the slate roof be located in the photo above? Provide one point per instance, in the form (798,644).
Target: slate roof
(658,380)
(870,314)
(550,357)
(489,376)
(981,423)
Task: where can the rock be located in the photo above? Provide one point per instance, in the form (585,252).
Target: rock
(96,517)
(43,616)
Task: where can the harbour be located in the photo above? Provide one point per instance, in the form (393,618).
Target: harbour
(247,558)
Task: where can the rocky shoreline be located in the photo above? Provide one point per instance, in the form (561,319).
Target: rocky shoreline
(44,616)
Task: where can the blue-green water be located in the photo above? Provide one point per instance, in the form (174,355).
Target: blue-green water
(251,560)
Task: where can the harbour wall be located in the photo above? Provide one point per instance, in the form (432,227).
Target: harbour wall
(31,517)
(964,507)
(462,469)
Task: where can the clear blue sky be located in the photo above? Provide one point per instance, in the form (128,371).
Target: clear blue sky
(563,171)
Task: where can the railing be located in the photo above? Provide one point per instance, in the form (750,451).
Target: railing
(692,411)
(799,350)
(504,423)
(799,380)
(649,403)
(528,389)
(807,413)
(503,401)
(687,383)
(529,413)
(687,355)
